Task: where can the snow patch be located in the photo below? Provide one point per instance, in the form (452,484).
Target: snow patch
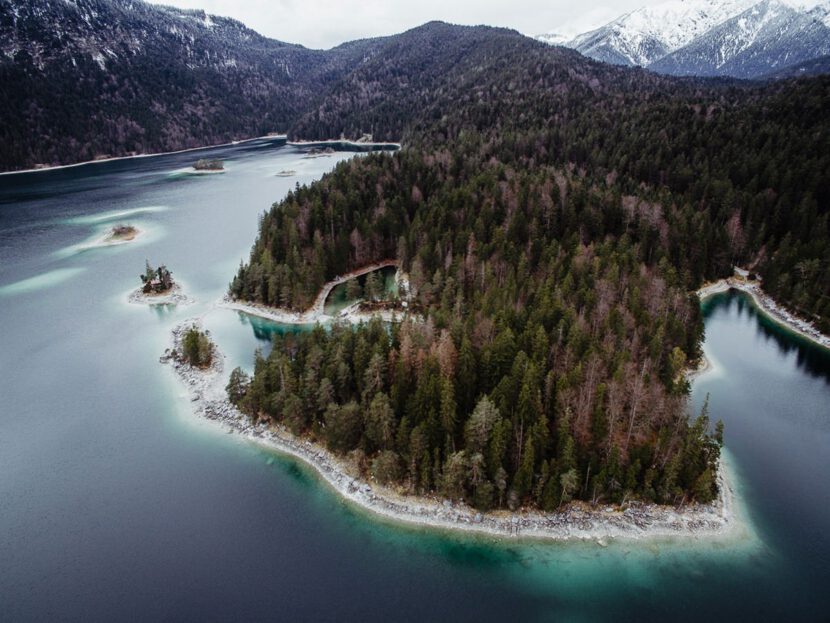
(99,58)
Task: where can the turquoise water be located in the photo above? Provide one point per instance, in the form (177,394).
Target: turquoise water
(337,299)
(116,503)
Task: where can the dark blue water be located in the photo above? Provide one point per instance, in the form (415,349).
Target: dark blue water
(116,503)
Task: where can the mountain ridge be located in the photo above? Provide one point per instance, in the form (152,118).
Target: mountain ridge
(740,38)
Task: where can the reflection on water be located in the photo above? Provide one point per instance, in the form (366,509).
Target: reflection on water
(338,297)
(810,357)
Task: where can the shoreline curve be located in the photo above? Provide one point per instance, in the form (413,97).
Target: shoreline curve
(577,522)
(768,306)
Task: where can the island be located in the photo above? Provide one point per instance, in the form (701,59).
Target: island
(156,280)
(209,165)
(122,233)
(192,348)
(114,236)
(158,287)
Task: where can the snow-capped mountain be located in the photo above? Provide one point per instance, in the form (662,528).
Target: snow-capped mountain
(644,35)
(765,38)
(741,38)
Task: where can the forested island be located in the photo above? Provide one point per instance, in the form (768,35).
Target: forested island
(209,165)
(156,280)
(555,219)
(158,287)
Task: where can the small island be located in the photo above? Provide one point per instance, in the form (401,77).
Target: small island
(319,152)
(156,280)
(158,287)
(287,173)
(193,348)
(122,233)
(209,165)
(114,236)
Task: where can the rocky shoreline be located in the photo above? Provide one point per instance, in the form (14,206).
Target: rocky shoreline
(578,521)
(175,296)
(766,304)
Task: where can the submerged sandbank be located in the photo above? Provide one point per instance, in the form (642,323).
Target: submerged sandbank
(578,521)
(42,281)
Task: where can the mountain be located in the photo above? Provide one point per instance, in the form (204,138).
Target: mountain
(647,34)
(766,37)
(739,38)
(113,77)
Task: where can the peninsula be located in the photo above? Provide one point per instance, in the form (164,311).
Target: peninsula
(630,520)
(540,370)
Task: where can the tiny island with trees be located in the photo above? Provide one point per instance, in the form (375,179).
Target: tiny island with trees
(156,280)
(158,287)
(122,233)
(209,165)
(192,350)
(196,349)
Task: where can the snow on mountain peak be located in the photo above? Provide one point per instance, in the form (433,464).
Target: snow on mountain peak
(675,23)
(706,37)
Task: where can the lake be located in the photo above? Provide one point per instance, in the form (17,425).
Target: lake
(117,503)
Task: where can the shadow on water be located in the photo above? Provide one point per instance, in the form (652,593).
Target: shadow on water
(809,356)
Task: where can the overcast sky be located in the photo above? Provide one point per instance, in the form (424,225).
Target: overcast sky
(326,23)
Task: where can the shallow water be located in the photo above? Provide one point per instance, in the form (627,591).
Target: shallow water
(116,503)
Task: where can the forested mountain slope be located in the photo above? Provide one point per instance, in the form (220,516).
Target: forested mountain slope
(90,78)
